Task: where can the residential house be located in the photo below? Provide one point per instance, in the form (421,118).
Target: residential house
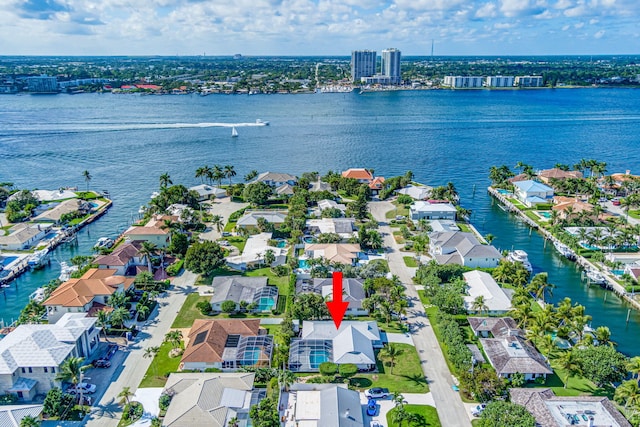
(153,234)
(276,179)
(12,415)
(254,251)
(207,192)
(250,218)
(439,225)
(23,236)
(55,214)
(416,192)
(124,259)
(352,292)
(319,186)
(456,247)
(376,185)
(51,195)
(547,175)
(576,206)
(486,327)
(285,190)
(87,294)
(31,355)
(252,290)
(210,399)
(341,253)
(332,405)
(509,352)
(354,342)
(343,227)
(362,175)
(550,410)
(532,193)
(325,204)
(428,210)
(227,344)
(481,284)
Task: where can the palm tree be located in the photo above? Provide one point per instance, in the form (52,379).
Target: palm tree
(539,286)
(201,173)
(391,352)
(229,172)
(522,314)
(397,398)
(103,322)
(218,222)
(633,366)
(603,335)
(479,304)
(29,421)
(143,311)
(71,371)
(286,378)
(150,353)
(87,178)
(117,299)
(174,338)
(147,250)
(125,395)
(489,238)
(568,362)
(119,316)
(165,180)
(233,422)
(217,174)
(628,393)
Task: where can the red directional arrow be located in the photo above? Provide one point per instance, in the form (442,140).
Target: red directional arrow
(337,307)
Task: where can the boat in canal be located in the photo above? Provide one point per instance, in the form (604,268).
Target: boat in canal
(521,257)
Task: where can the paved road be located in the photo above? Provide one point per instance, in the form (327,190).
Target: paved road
(107,412)
(450,408)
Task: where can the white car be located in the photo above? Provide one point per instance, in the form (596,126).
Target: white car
(476,411)
(86,388)
(377,393)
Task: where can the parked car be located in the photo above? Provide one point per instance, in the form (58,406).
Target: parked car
(86,388)
(226,234)
(101,363)
(476,411)
(371,407)
(111,351)
(375,424)
(377,393)
(615,201)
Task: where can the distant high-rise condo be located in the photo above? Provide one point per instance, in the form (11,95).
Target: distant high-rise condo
(43,84)
(529,81)
(499,81)
(363,64)
(463,81)
(391,65)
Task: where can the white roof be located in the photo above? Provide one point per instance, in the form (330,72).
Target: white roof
(416,192)
(342,226)
(482,284)
(255,249)
(42,345)
(422,206)
(10,416)
(316,329)
(323,405)
(207,190)
(251,217)
(48,195)
(330,204)
(532,186)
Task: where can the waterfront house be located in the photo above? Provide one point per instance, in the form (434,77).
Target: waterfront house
(207,192)
(321,405)
(508,351)
(276,179)
(486,327)
(319,186)
(456,247)
(564,203)
(254,251)
(341,253)
(362,175)
(250,218)
(51,195)
(124,259)
(156,235)
(66,207)
(352,292)
(325,204)
(87,294)
(31,355)
(23,236)
(284,191)
(416,192)
(210,399)
(226,344)
(482,284)
(354,342)
(532,193)
(343,227)
(428,210)
(547,175)
(550,410)
(251,290)
(376,185)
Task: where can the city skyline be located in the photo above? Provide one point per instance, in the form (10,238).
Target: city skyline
(314,27)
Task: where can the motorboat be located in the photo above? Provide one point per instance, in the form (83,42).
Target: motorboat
(104,242)
(38,258)
(522,257)
(596,277)
(66,270)
(262,122)
(38,295)
(564,250)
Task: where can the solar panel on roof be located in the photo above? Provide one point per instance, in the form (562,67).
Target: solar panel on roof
(232,341)
(200,338)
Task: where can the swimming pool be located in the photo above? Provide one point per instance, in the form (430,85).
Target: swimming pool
(281,243)
(251,356)
(266,304)
(545,214)
(8,260)
(309,239)
(303,263)
(93,205)
(317,357)
(618,272)
(503,192)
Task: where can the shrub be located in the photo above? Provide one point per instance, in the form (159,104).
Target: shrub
(204,307)
(347,370)
(175,268)
(164,401)
(228,306)
(328,368)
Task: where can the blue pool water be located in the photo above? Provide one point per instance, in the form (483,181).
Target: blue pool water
(618,272)
(303,263)
(544,214)
(93,205)
(266,304)
(8,260)
(251,356)
(503,192)
(309,239)
(317,357)
(281,244)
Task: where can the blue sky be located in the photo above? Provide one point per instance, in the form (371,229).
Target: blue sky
(318,27)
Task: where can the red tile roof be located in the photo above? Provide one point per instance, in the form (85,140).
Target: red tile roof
(358,173)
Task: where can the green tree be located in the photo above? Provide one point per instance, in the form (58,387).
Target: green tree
(229,172)
(174,338)
(87,178)
(52,405)
(29,421)
(633,366)
(71,370)
(328,368)
(479,304)
(257,193)
(119,316)
(602,364)
(165,181)
(505,414)
(228,306)
(628,394)
(204,257)
(125,395)
(265,414)
(269,257)
(251,175)
(309,306)
(179,244)
(569,363)
(218,222)
(347,370)
(391,353)
(148,250)
(204,307)
(150,353)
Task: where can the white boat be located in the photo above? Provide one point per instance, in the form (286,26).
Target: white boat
(596,277)
(564,250)
(38,258)
(104,242)
(38,295)
(262,122)
(521,257)
(66,270)
(234,132)
(154,194)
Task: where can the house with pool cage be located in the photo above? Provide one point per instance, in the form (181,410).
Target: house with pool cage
(255,292)
(227,344)
(320,341)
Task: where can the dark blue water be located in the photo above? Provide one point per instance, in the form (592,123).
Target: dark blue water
(123,140)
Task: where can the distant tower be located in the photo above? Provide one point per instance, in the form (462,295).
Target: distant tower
(432,49)
(391,65)
(363,64)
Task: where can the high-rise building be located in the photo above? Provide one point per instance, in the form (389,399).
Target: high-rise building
(363,64)
(499,81)
(391,65)
(43,84)
(529,81)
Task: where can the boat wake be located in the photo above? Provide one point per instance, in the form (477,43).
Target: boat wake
(92,127)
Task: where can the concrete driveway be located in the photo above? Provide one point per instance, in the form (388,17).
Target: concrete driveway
(223,207)
(149,398)
(399,338)
(386,405)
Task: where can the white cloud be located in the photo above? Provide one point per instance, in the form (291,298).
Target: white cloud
(599,34)
(487,10)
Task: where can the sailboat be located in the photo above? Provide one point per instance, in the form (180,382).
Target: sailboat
(234,132)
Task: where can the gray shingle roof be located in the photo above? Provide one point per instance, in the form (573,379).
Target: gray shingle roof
(236,288)
(511,354)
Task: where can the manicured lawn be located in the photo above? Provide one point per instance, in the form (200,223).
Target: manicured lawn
(238,242)
(399,210)
(532,216)
(576,386)
(410,261)
(281,282)
(189,312)
(161,365)
(428,413)
(464,227)
(407,374)
(634,214)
